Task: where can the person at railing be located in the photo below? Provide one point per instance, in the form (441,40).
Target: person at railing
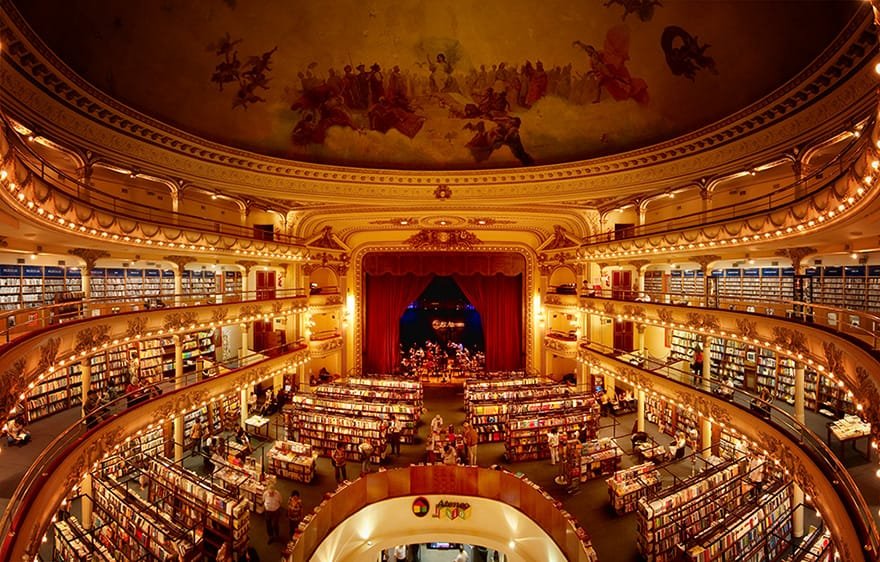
(294,511)
(366,451)
(134,392)
(339,461)
(697,365)
(450,455)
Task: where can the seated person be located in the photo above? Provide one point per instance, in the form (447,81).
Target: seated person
(639,437)
(677,445)
(324,375)
(15,433)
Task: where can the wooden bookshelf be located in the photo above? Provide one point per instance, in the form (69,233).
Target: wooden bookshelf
(74,544)
(407,414)
(626,486)
(489,411)
(324,431)
(595,458)
(527,434)
(133,529)
(668,518)
(752,533)
(195,501)
(291,460)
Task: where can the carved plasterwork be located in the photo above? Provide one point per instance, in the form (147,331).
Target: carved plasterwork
(704,261)
(552,299)
(250,310)
(136,326)
(834,358)
(703,406)
(327,240)
(778,450)
(12,384)
(48,353)
(398,221)
(325,346)
(609,308)
(179,320)
(250,377)
(182,402)
(703,321)
(488,221)
(633,310)
(219,314)
(870,398)
(91,453)
(665,315)
(796,255)
(333,300)
(92,336)
(451,239)
(180,261)
(638,264)
(89,255)
(747,328)
(791,340)
(247,265)
(634,376)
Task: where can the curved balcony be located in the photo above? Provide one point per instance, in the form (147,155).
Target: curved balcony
(64,463)
(563,344)
(389,494)
(835,192)
(34,356)
(38,192)
(797,451)
(325,343)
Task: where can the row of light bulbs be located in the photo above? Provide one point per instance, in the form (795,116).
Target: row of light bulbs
(32,206)
(867,183)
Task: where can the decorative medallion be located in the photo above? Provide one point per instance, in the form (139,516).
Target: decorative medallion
(665,315)
(703,321)
(90,337)
(183,402)
(443,192)
(791,340)
(608,308)
(48,353)
(633,310)
(136,326)
(250,310)
(180,320)
(781,452)
(704,406)
(834,356)
(747,328)
(219,314)
(446,239)
(12,384)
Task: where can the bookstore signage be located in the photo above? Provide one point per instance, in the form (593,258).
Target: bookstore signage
(452,510)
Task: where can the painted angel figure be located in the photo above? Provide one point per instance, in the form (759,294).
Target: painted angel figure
(608,67)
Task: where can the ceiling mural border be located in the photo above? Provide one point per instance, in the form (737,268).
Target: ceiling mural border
(152,141)
(358,259)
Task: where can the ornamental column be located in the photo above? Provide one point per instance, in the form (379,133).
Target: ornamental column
(178,383)
(247,265)
(797,497)
(640,410)
(706,435)
(180,262)
(85,368)
(704,262)
(707,363)
(91,257)
(86,503)
(639,266)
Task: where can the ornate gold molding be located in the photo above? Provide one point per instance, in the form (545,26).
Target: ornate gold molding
(796,255)
(93,336)
(89,255)
(452,239)
(180,261)
(704,261)
(247,265)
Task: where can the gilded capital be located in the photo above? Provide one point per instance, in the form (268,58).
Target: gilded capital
(179,261)
(89,256)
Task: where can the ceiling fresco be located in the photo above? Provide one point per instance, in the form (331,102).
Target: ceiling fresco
(424,84)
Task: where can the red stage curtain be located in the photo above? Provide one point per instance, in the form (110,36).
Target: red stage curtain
(498,299)
(387,297)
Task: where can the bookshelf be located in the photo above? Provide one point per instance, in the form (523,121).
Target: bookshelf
(232,285)
(669,517)
(192,501)
(754,532)
(682,345)
(672,419)
(324,431)
(768,374)
(489,411)
(74,544)
(728,360)
(654,285)
(23,286)
(167,282)
(816,546)
(592,459)
(407,414)
(527,434)
(132,529)
(406,389)
(626,486)
(398,392)
(291,460)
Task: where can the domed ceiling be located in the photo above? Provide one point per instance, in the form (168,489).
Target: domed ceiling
(421,84)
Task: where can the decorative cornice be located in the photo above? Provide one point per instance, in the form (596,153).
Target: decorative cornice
(179,261)
(90,337)
(796,255)
(452,239)
(89,255)
(638,264)
(704,261)
(247,265)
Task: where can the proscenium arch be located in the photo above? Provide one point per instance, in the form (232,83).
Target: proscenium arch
(366,533)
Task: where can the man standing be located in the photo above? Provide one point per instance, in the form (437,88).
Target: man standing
(394,429)
(338,458)
(553,443)
(272,508)
(470,441)
(366,450)
(195,434)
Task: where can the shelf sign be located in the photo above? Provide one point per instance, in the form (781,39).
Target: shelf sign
(832,271)
(731,272)
(676,273)
(33,271)
(52,271)
(421,506)
(452,510)
(151,273)
(10,270)
(769,272)
(717,273)
(788,272)
(751,272)
(874,270)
